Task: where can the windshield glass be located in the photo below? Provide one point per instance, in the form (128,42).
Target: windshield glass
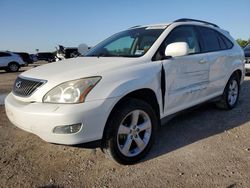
(247,48)
(129,43)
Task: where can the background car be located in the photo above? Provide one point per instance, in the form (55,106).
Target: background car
(25,56)
(46,56)
(33,57)
(247,56)
(66,53)
(11,62)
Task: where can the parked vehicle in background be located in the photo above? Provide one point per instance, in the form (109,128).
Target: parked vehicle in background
(11,62)
(247,56)
(34,57)
(25,56)
(66,53)
(46,56)
(122,89)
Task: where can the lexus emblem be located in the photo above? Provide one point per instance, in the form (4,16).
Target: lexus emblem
(18,84)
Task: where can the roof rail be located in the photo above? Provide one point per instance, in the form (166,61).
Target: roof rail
(193,20)
(135,26)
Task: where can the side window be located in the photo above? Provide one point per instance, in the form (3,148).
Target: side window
(3,54)
(184,34)
(210,40)
(179,34)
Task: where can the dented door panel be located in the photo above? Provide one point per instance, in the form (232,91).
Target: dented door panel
(186,80)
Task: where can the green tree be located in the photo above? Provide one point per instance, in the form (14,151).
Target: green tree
(243,43)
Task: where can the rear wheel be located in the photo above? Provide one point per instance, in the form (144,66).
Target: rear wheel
(130,132)
(13,67)
(231,93)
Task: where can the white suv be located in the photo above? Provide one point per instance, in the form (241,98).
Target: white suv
(10,62)
(125,87)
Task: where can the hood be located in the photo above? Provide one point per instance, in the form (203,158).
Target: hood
(247,53)
(80,67)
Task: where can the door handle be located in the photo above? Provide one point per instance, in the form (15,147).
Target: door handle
(202,61)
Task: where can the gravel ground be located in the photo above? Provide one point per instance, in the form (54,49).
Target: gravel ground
(204,147)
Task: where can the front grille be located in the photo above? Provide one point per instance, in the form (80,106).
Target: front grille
(24,87)
(247,59)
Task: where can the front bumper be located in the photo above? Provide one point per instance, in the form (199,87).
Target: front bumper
(247,66)
(41,118)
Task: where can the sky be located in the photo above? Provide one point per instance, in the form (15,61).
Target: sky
(27,25)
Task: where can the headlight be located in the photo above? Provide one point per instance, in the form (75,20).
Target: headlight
(71,92)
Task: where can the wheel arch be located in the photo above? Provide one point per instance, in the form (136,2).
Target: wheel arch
(147,95)
(13,62)
(239,73)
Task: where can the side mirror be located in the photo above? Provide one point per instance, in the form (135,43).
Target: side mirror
(176,49)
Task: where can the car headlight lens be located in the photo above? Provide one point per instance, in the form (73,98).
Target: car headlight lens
(71,92)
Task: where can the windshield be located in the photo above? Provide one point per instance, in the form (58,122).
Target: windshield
(129,43)
(247,48)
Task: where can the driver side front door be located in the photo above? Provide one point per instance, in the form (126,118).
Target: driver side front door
(187,77)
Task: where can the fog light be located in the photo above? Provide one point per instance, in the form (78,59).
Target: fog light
(67,129)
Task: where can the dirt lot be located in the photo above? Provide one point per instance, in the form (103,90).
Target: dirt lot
(205,147)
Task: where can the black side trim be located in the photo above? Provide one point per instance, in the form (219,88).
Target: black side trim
(171,116)
(163,86)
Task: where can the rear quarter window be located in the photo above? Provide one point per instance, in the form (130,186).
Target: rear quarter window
(227,42)
(222,43)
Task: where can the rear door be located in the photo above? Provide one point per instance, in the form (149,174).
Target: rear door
(217,47)
(4,59)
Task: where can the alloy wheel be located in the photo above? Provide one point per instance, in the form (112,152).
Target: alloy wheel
(134,133)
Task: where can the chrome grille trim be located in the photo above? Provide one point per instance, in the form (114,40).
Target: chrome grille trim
(25,87)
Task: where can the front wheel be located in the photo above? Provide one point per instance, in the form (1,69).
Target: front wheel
(230,95)
(130,132)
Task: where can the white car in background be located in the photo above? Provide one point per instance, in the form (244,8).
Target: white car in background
(124,88)
(247,56)
(10,62)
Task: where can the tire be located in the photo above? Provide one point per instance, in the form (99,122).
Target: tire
(231,93)
(130,131)
(13,67)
